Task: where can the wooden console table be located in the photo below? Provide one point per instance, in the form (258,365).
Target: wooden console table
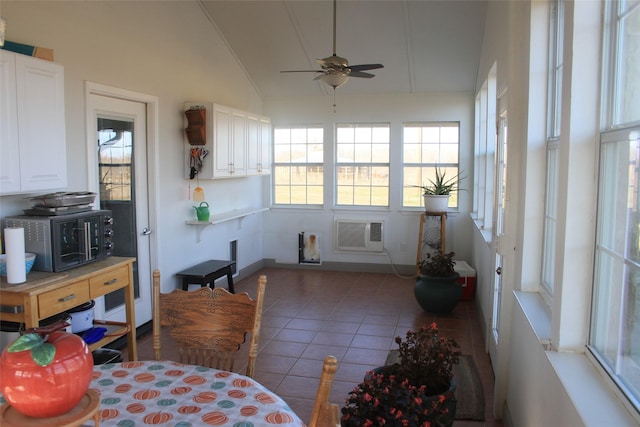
(46,294)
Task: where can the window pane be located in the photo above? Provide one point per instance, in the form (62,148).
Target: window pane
(427,147)
(297,166)
(362,163)
(629,65)
(344,195)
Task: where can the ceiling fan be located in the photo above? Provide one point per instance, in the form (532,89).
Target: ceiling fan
(335,69)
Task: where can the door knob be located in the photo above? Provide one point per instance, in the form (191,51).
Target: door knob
(146,231)
(499,271)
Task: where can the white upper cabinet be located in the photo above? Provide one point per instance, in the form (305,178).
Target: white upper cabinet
(258,145)
(32,130)
(235,141)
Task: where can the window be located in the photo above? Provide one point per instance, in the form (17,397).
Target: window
(615,317)
(614,336)
(362,164)
(115,156)
(622,50)
(427,147)
(298,171)
(554,106)
(485,144)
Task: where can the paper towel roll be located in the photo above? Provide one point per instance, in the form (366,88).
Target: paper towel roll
(14,247)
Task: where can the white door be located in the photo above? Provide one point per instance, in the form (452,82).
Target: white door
(117,145)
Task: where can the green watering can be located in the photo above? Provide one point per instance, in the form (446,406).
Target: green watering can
(202,211)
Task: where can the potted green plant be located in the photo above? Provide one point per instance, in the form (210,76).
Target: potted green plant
(436,193)
(416,391)
(437,289)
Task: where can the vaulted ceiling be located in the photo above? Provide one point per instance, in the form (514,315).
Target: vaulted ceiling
(424,45)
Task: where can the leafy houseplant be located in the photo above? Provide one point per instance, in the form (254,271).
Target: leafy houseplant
(441,185)
(438,264)
(417,391)
(437,289)
(436,193)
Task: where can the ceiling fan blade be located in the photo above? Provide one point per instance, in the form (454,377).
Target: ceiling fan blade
(361,74)
(365,67)
(302,71)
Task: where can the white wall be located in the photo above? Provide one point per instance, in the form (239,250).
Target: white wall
(401,226)
(136,46)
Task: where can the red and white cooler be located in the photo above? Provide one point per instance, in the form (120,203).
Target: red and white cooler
(467,279)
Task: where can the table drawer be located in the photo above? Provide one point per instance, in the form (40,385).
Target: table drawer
(63,299)
(108,282)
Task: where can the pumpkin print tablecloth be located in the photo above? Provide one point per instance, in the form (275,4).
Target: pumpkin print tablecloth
(134,394)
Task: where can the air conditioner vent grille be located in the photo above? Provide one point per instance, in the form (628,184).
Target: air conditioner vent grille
(359,235)
(376,232)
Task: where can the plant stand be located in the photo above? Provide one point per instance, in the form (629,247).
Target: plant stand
(425,242)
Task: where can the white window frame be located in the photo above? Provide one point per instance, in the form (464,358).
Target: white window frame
(425,167)
(554,108)
(356,160)
(613,318)
(313,158)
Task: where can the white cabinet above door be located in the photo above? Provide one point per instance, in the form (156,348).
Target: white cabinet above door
(33,144)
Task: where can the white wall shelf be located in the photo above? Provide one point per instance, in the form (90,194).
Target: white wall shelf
(227,216)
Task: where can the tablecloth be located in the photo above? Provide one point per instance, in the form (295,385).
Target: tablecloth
(167,393)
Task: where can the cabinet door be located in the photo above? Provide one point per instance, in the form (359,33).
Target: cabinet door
(239,161)
(9,149)
(253,145)
(265,146)
(222,144)
(41,125)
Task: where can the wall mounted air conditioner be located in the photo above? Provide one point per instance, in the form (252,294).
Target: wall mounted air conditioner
(359,235)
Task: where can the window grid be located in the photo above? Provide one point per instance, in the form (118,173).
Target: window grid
(554,107)
(427,147)
(298,171)
(614,339)
(362,164)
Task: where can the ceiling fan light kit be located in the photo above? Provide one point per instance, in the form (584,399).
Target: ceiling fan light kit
(333,80)
(335,69)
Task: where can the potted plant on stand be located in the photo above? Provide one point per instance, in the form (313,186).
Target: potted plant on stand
(416,391)
(436,193)
(437,289)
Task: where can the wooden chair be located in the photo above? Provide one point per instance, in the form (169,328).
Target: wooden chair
(325,414)
(208,325)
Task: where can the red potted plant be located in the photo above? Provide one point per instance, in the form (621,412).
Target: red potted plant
(417,391)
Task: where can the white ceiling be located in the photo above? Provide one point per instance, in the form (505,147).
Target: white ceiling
(424,45)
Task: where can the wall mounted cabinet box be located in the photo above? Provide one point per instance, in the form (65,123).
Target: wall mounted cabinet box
(32,129)
(238,142)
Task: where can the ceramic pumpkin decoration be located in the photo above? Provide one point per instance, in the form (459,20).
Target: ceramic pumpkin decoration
(46,372)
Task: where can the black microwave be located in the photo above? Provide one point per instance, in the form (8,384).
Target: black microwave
(62,242)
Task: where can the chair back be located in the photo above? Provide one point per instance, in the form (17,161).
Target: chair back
(326,414)
(209,325)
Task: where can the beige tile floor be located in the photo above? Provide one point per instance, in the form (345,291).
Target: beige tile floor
(310,314)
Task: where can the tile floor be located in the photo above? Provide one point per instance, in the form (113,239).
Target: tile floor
(310,314)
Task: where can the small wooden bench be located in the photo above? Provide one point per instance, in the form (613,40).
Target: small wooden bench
(206,273)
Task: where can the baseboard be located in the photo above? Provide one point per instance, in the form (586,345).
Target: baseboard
(345,266)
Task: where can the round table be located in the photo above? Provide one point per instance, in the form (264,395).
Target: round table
(83,411)
(172,394)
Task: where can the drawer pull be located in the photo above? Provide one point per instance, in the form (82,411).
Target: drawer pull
(111,282)
(67,298)
(12,309)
